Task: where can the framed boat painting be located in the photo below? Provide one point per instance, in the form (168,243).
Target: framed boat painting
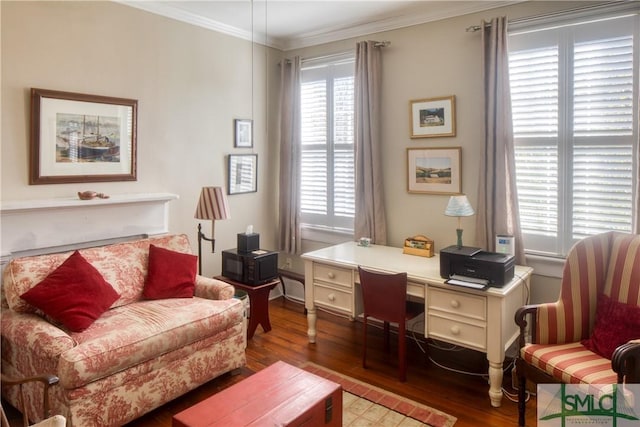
(81,138)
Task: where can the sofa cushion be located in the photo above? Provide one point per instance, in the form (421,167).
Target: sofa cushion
(75,294)
(171,274)
(131,334)
(570,363)
(123,266)
(616,323)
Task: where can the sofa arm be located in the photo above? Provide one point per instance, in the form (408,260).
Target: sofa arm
(209,288)
(626,362)
(27,336)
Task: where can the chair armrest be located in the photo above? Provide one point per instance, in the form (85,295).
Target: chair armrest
(625,362)
(521,320)
(46,379)
(210,288)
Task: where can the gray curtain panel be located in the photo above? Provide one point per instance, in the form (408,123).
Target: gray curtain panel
(370,217)
(497,195)
(289,240)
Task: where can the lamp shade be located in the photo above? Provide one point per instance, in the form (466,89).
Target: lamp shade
(212,204)
(459,206)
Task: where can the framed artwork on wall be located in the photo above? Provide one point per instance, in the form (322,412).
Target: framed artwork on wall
(433,117)
(81,138)
(243,173)
(243,133)
(434,170)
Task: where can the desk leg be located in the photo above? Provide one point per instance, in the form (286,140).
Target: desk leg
(495,383)
(311,323)
(309,301)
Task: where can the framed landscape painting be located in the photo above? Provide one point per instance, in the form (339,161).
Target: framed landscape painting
(81,138)
(433,117)
(434,170)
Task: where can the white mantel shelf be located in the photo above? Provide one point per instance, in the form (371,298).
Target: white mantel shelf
(46,225)
(27,205)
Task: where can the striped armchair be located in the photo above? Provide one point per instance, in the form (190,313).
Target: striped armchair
(558,345)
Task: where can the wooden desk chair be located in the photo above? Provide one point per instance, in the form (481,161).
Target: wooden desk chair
(384,297)
(47,381)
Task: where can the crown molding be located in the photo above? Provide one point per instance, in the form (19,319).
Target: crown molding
(168,11)
(330,34)
(326,35)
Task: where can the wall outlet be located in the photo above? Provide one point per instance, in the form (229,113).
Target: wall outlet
(288,263)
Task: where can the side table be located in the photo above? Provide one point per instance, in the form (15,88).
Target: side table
(258,303)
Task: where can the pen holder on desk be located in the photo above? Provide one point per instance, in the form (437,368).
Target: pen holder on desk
(418,245)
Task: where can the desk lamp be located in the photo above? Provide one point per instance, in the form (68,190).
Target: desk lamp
(459,206)
(212,205)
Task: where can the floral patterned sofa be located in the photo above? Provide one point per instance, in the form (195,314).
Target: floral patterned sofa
(155,330)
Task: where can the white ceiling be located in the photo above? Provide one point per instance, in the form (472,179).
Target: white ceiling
(290,24)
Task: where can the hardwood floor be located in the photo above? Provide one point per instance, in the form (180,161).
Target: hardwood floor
(338,347)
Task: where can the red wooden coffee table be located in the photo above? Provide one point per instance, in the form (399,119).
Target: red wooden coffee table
(279,395)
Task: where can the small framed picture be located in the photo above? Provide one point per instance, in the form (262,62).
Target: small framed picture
(434,170)
(243,133)
(243,173)
(433,117)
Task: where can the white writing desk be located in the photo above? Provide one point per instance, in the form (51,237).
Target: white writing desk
(475,319)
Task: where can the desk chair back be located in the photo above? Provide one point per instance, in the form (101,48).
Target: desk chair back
(384,297)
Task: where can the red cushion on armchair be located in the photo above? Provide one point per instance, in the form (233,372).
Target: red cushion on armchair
(616,324)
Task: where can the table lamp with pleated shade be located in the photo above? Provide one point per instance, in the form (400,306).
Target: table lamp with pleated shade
(212,205)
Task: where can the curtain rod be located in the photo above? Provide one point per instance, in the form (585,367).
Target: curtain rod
(618,6)
(384,43)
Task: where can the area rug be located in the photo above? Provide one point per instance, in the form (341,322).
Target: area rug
(365,405)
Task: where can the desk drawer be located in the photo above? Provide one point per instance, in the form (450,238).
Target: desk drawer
(415,289)
(458,303)
(334,275)
(332,298)
(457,331)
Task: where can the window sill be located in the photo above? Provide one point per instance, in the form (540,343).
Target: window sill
(325,235)
(545,265)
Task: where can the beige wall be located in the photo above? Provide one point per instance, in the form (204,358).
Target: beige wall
(190,84)
(424,61)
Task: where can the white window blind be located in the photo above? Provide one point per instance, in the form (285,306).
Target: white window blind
(327,139)
(574,91)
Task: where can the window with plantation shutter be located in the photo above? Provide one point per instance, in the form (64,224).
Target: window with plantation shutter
(574,90)
(327,138)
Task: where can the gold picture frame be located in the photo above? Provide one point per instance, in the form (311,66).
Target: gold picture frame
(432,117)
(434,170)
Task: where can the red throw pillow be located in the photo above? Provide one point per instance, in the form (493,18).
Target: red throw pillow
(171,274)
(75,294)
(616,324)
